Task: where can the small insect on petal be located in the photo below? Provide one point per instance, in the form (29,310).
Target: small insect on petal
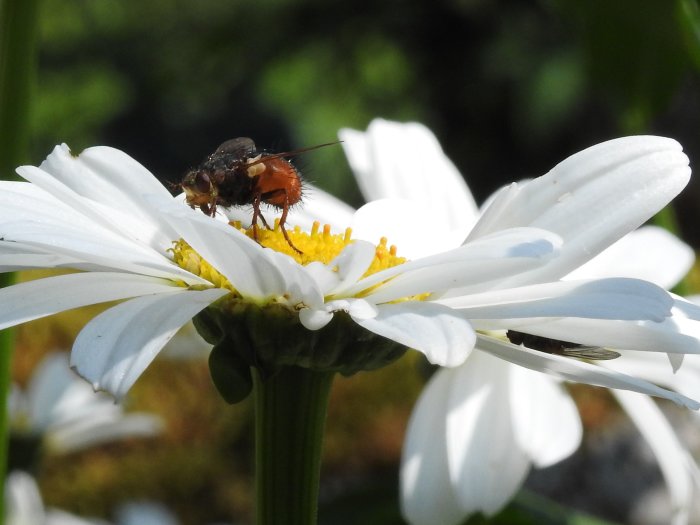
(565,348)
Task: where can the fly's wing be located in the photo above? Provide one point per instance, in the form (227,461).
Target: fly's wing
(594,353)
(565,348)
(239,147)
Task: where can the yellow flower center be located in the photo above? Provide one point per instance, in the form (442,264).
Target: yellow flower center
(318,245)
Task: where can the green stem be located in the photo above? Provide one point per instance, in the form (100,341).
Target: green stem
(7,343)
(18,65)
(290,414)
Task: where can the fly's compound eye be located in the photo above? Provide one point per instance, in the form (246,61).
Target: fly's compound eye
(202,183)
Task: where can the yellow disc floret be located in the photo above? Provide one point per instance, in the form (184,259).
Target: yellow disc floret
(187,258)
(318,245)
(267,333)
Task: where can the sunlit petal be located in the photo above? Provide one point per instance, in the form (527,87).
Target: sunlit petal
(434,330)
(405,161)
(578,371)
(486,463)
(592,198)
(116,346)
(546,420)
(650,253)
(625,299)
(42,297)
(673,458)
(427,496)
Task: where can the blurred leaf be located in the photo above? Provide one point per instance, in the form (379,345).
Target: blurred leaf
(74,103)
(550,94)
(689,16)
(634,51)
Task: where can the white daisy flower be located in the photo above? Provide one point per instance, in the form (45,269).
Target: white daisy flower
(496,419)
(64,414)
(24,505)
(103,214)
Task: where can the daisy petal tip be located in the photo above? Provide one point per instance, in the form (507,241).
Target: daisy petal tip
(314,319)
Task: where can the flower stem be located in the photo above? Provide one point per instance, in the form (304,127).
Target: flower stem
(18,61)
(290,414)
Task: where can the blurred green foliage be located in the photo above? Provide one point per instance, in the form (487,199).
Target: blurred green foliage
(510,87)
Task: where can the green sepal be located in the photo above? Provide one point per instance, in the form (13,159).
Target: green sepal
(207,327)
(230,373)
(271,336)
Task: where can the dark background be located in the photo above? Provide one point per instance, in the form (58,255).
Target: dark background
(510,87)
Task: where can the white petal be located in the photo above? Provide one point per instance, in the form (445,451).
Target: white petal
(649,253)
(434,330)
(34,299)
(241,260)
(107,175)
(90,432)
(614,298)
(473,265)
(139,224)
(98,249)
(357,308)
(323,275)
(60,517)
(654,367)
(427,496)
(114,349)
(592,198)
(24,504)
(577,371)
(47,386)
(406,225)
(19,256)
(546,420)
(673,458)
(673,335)
(322,207)
(144,513)
(406,161)
(300,287)
(351,264)
(314,319)
(36,220)
(487,465)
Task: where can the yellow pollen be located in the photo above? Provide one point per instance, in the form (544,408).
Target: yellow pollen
(185,257)
(318,245)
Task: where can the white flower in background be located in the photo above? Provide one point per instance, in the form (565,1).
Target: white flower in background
(105,215)
(24,506)
(63,411)
(496,419)
(145,513)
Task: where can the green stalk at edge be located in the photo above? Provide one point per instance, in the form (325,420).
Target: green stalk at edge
(290,415)
(18,65)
